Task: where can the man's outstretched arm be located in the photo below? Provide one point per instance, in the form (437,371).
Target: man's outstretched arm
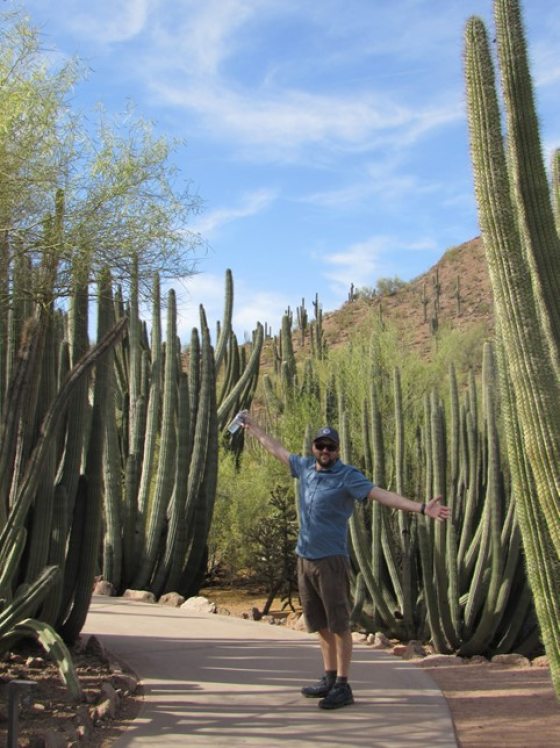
(271,444)
(431,508)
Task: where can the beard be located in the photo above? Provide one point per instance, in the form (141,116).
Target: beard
(325,459)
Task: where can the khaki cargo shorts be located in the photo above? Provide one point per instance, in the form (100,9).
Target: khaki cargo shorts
(324,591)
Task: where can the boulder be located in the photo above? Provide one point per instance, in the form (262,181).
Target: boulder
(358,637)
(199,604)
(142,596)
(378,640)
(102,587)
(173,599)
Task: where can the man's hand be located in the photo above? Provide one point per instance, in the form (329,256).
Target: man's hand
(436,511)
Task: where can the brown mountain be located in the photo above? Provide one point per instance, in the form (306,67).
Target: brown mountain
(464,300)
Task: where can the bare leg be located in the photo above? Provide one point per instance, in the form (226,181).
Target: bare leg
(343,653)
(337,651)
(328,649)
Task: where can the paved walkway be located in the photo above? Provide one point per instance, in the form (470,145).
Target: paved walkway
(212,680)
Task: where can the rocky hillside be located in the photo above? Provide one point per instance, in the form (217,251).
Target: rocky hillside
(462,270)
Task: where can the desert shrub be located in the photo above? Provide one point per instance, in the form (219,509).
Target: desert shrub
(462,347)
(242,502)
(273,538)
(364,292)
(388,286)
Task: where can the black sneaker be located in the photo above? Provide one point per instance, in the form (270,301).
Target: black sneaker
(338,696)
(318,690)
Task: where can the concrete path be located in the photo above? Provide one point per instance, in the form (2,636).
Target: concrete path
(212,680)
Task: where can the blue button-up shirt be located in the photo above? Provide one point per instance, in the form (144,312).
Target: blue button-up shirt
(326,503)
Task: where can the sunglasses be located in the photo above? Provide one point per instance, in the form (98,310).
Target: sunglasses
(320,446)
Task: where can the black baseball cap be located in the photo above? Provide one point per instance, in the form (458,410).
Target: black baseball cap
(327,433)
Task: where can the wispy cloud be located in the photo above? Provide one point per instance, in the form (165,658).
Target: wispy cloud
(340,199)
(264,307)
(199,38)
(419,246)
(108,21)
(544,52)
(388,180)
(362,263)
(250,205)
(192,57)
(548,74)
(357,117)
(287,119)
(192,54)
(358,264)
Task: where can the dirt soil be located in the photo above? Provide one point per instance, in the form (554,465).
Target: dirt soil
(491,705)
(47,706)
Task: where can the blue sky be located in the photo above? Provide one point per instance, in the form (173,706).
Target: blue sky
(327,138)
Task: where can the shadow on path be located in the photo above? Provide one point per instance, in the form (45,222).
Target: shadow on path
(222,681)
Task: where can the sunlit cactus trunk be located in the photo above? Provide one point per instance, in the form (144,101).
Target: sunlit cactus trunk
(93,472)
(528,178)
(156,509)
(511,219)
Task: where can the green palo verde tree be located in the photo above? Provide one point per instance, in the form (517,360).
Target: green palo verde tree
(123,202)
(522,249)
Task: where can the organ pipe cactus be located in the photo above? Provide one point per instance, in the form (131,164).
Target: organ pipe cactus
(523,270)
(242,389)
(440,627)
(472,601)
(93,471)
(27,598)
(164,475)
(289,370)
(406,524)
(225,327)
(543,568)
(152,418)
(362,550)
(371,531)
(112,510)
(159,512)
(556,187)
(528,179)
(486,583)
(63,460)
(201,490)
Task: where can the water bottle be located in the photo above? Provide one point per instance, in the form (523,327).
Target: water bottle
(237,422)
